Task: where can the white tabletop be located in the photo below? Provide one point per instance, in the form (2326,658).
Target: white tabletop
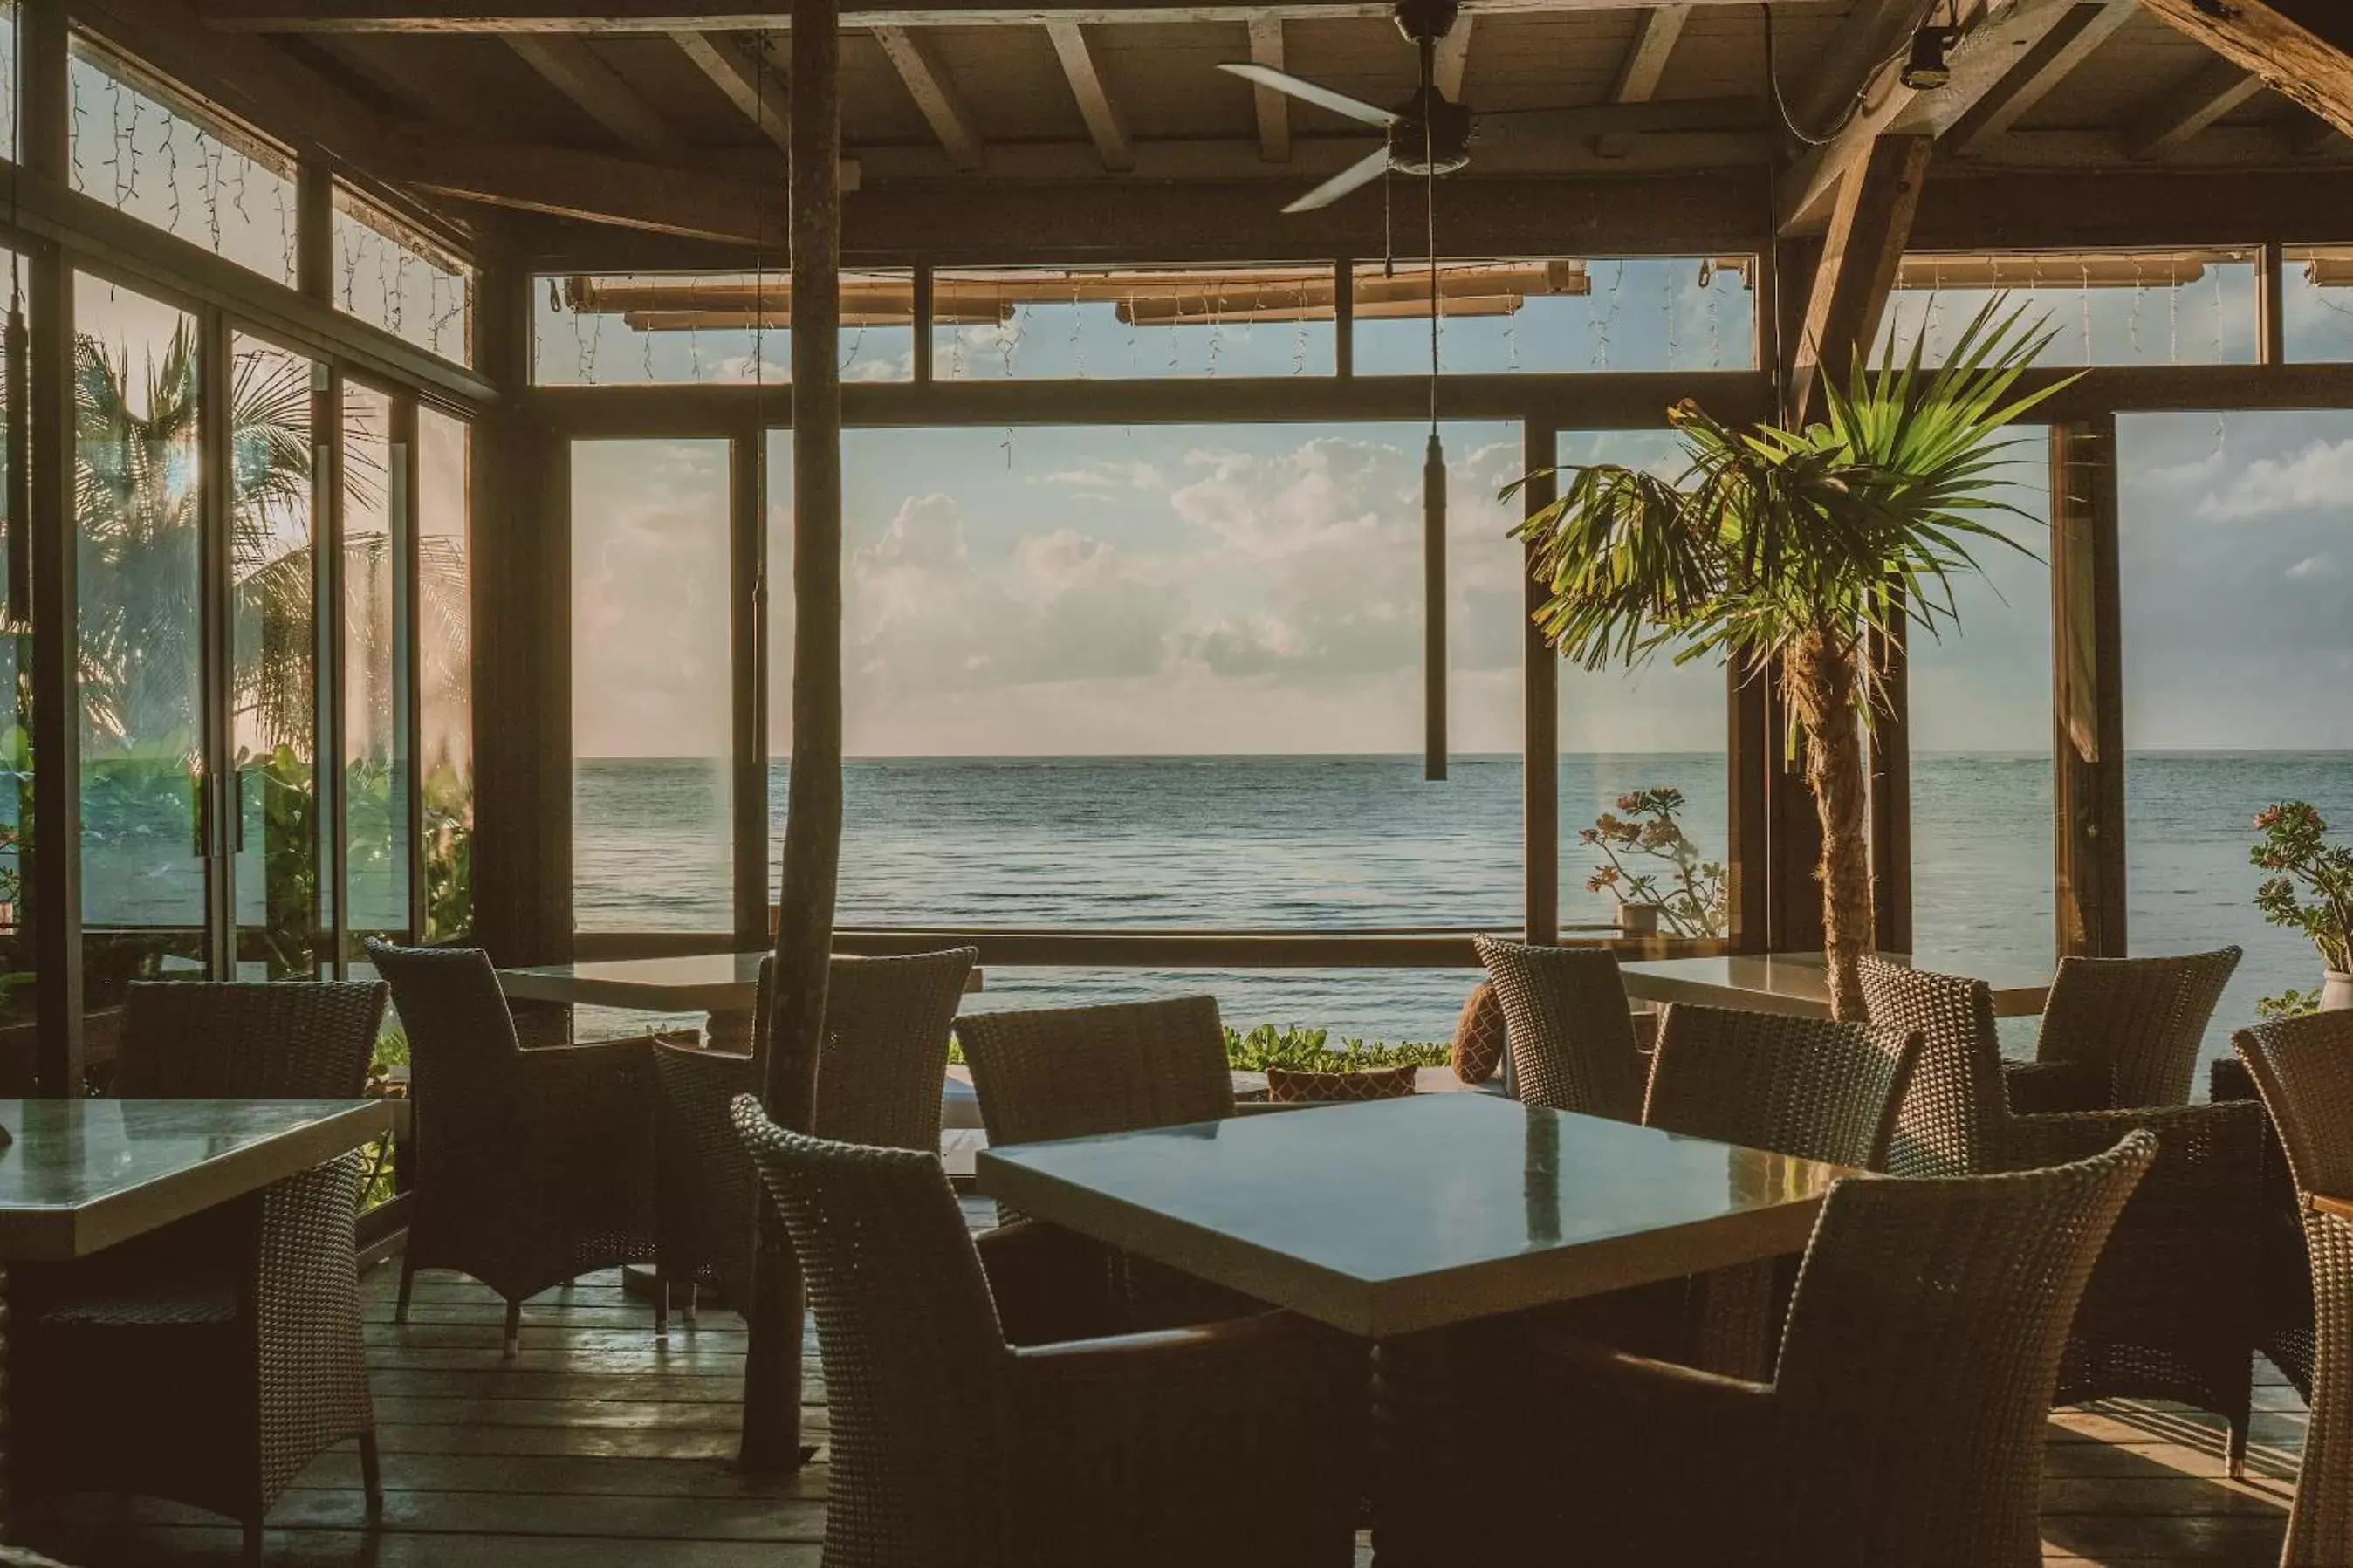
(1405,1214)
(1799,983)
(82,1175)
(691,982)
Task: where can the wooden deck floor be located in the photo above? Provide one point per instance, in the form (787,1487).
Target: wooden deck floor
(597,1448)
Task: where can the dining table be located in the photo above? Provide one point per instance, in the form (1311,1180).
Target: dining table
(1399,1220)
(726,985)
(1799,983)
(79,1175)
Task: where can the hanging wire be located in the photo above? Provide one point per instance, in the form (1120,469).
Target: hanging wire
(1854,105)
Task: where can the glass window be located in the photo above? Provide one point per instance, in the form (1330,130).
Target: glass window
(8,83)
(375,664)
(1165,677)
(17,1007)
(1982,737)
(651,686)
(1385,1005)
(143,147)
(446,673)
(1060,322)
(1624,314)
(710,328)
(390,274)
(2235,550)
(274,660)
(2316,304)
(2149,307)
(137,533)
(1626,740)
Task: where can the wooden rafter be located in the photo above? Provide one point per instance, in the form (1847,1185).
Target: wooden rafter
(1849,63)
(1984,56)
(734,16)
(1274,108)
(2301,49)
(1860,257)
(578,72)
(1453,55)
(928,84)
(1095,106)
(2064,47)
(2212,91)
(739,72)
(593,186)
(1646,57)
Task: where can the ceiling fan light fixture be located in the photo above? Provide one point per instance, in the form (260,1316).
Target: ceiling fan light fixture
(1928,67)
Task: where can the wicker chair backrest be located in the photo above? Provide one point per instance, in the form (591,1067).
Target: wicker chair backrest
(295,1040)
(462,1055)
(916,1370)
(1922,1349)
(1804,1086)
(886,1044)
(2304,1070)
(2139,1020)
(1076,1072)
(1955,1112)
(1570,1027)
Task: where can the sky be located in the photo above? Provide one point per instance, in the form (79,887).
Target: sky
(1257,588)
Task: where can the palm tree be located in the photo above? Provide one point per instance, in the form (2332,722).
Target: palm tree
(1787,550)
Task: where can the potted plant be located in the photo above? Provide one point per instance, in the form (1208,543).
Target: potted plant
(2310,889)
(1787,549)
(1684,891)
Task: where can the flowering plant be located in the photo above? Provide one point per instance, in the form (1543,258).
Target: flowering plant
(1688,893)
(2312,885)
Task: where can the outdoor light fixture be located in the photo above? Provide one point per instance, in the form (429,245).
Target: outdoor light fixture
(1926,65)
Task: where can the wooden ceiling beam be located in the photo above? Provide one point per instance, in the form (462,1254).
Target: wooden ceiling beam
(723,17)
(1646,57)
(927,82)
(1867,232)
(1986,54)
(739,70)
(580,74)
(2301,49)
(2179,114)
(1452,56)
(2066,47)
(564,182)
(1849,62)
(1272,108)
(1104,124)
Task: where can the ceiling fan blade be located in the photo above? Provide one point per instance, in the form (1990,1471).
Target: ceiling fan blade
(1363,172)
(1321,96)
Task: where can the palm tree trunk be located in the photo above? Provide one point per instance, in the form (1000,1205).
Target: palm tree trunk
(1821,675)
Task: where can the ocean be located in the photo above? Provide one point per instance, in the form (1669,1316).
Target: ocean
(1356,842)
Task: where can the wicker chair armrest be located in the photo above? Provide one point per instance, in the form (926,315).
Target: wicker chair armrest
(2061,1136)
(1671,1392)
(2038,1088)
(1050,1284)
(1160,1358)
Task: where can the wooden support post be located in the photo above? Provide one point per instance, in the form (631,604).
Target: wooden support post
(748,643)
(1891,786)
(2087,692)
(772,1373)
(1860,257)
(2301,49)
(1435,747)
(1748,753)
(1540,708)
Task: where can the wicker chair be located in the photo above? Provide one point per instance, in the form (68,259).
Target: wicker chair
(534,1166)
(1229,1443)
(210,1361)
(1905,1424)
(877,1081)
(2284,1328)
(2170,1312)
(2121,1032)
(2305,1068)
(1571,1027)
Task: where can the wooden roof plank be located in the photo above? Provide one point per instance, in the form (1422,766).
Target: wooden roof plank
(2212,91)
(2302,49)
(578,72)
(745,81)
(918,65)
(1095,106)
(1274,108)
(1646,57)
(2066,46)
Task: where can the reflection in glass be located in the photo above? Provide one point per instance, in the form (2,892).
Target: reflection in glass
(2150,306)
(375,656)
(651,686)
(446,674)
(274,673)
(136,531)
(1643,314)
(389,273)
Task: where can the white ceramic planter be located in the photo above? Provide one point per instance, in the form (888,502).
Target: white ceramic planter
(2336,992)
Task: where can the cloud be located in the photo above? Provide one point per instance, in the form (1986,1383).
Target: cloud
(2313,569)
(2318,477)
(1110,477)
